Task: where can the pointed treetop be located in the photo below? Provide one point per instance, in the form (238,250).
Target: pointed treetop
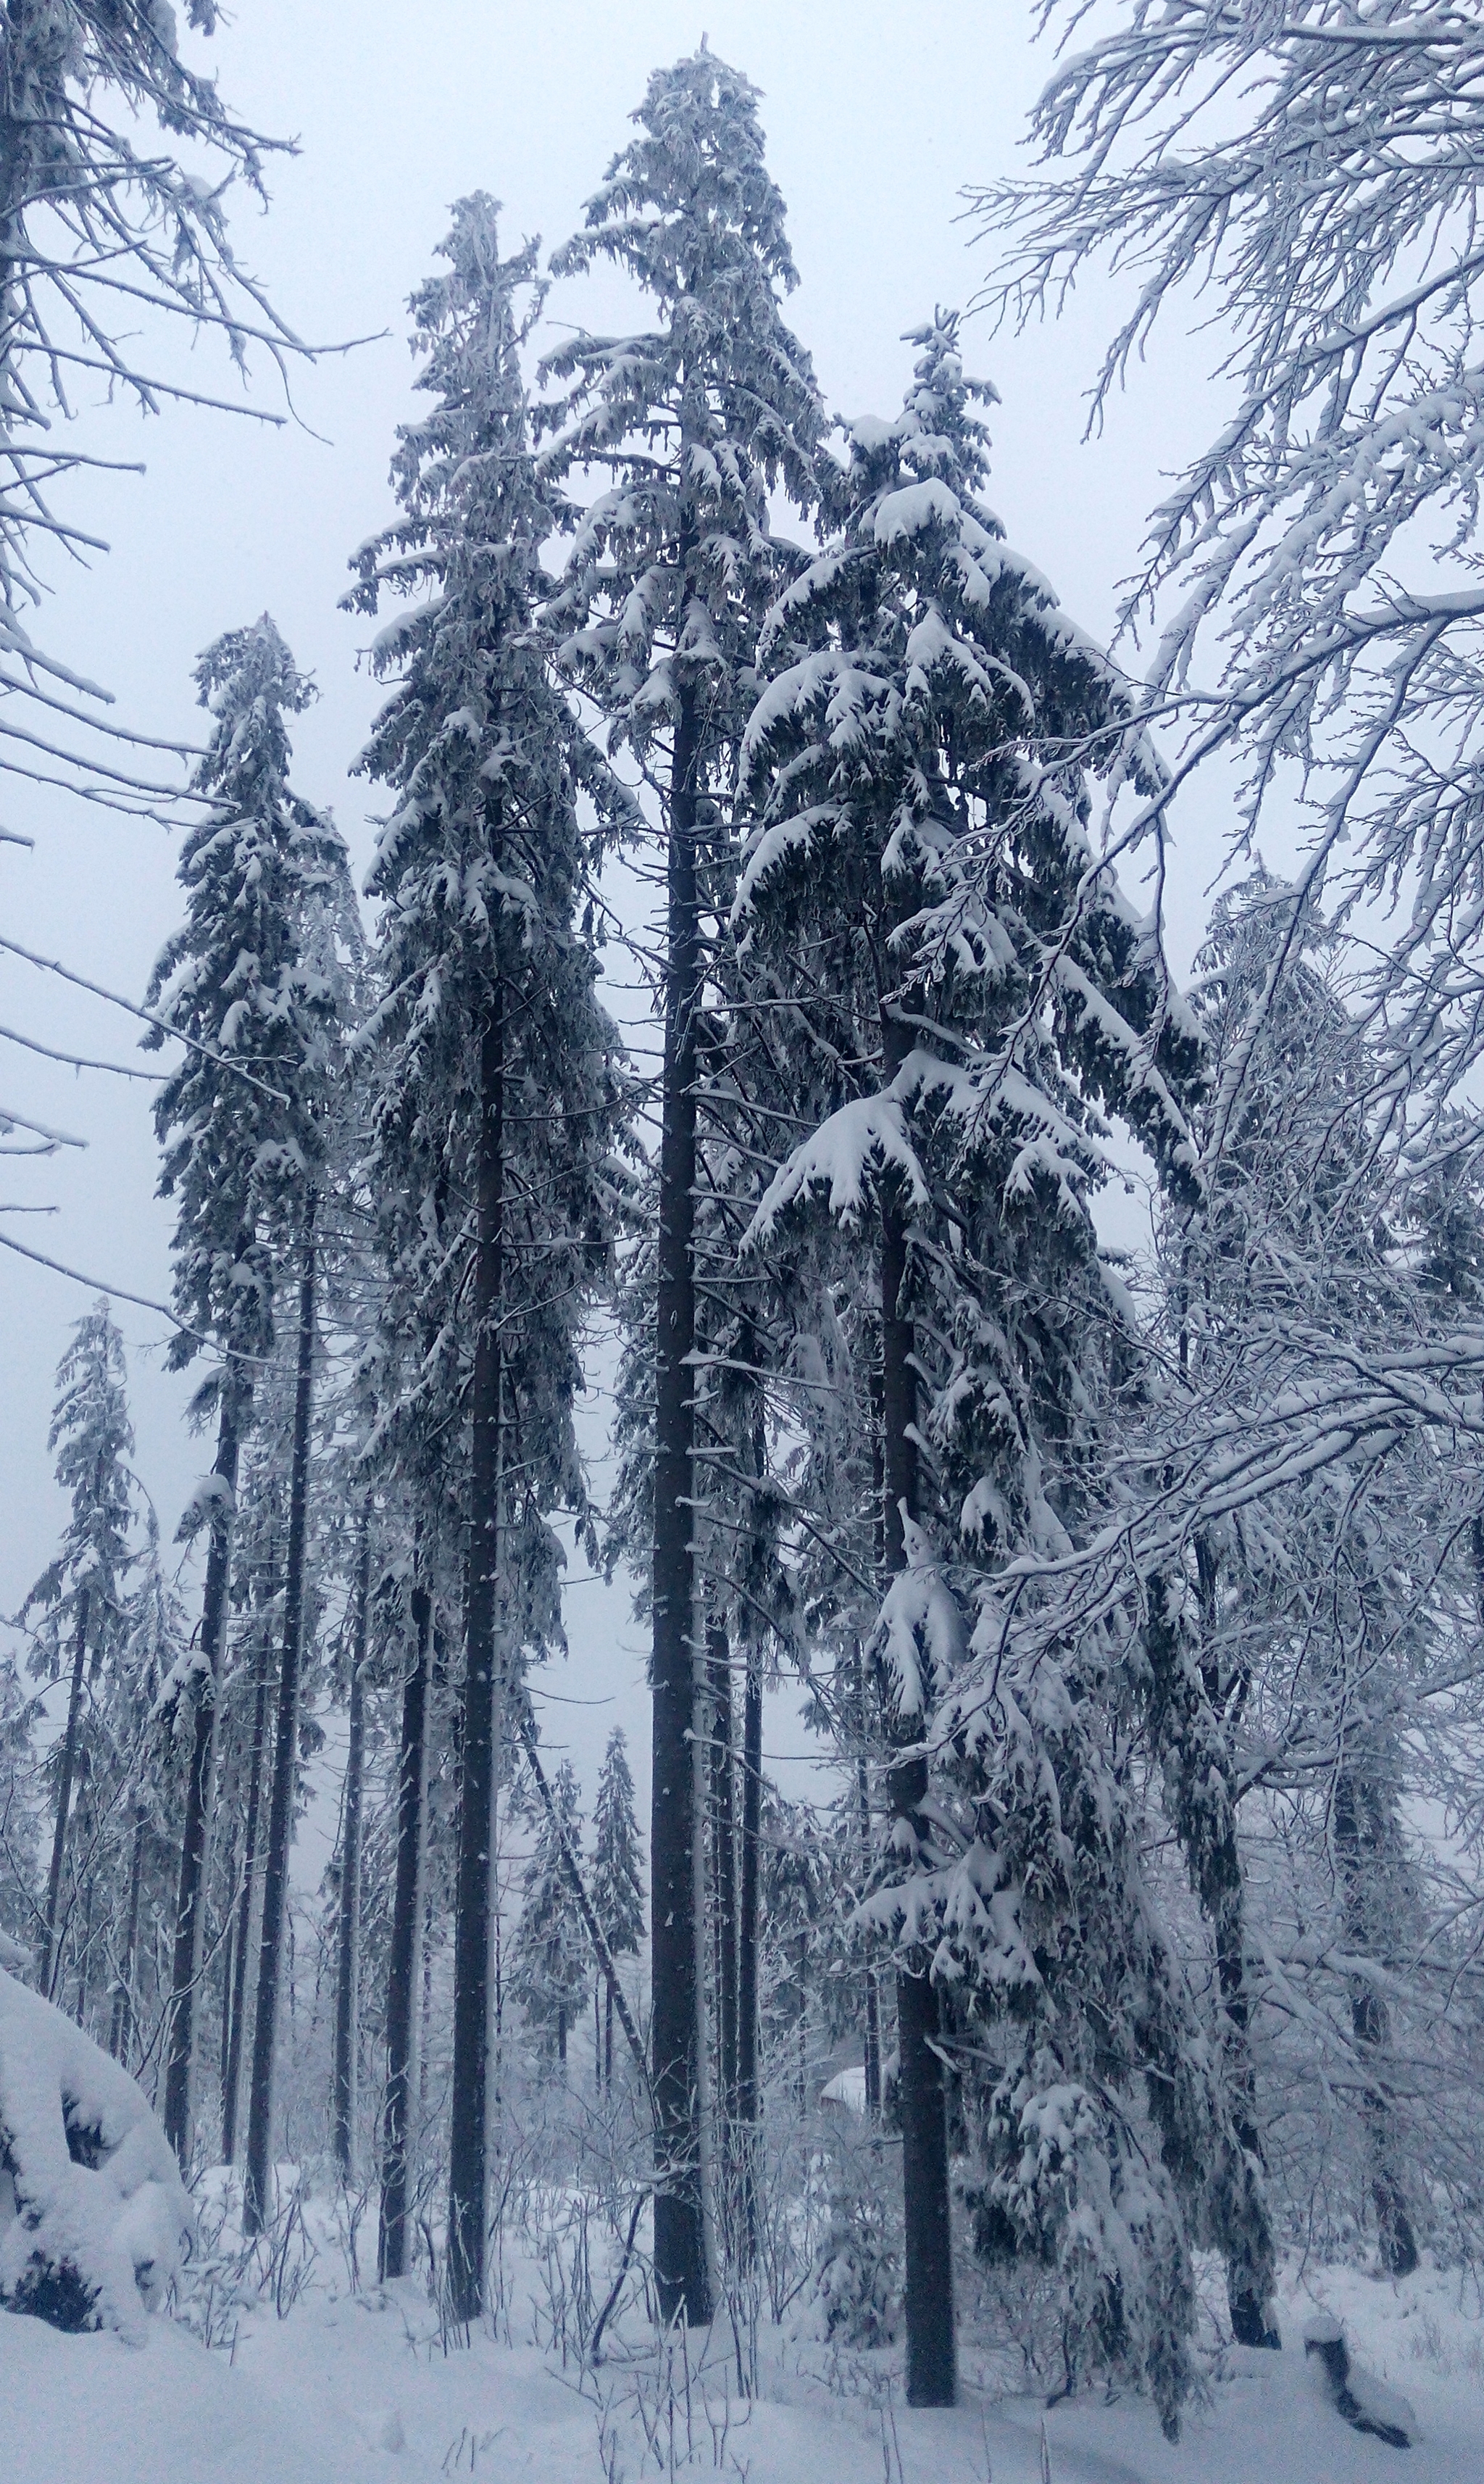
(691,196)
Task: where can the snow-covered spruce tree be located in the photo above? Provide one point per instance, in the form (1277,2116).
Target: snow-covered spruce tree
(956,973)
(81,1595)
(617,1886)
(497,1105)
(1312,571)
(696,421)
(550,1959)
(237,1122)
(156,1635)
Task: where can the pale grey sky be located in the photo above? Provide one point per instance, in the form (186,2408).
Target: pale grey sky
(877,112)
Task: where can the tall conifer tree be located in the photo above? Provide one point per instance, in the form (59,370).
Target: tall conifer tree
(497,1105)
(82,1593)
(696,421)
(618,1871)
(952,972)
(235,1122)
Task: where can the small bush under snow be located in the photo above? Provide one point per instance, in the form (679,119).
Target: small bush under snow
(92,2213)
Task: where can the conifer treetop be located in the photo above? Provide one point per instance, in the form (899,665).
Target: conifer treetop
(617,1885)
(697,420)
(238,1120)
(93,1438)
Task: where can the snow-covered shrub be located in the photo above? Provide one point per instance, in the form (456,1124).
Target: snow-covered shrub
(92,2209)
(854,2297)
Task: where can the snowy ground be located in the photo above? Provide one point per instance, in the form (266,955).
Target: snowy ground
(349,2389)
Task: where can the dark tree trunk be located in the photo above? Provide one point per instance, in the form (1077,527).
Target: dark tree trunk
(680,2274)
(748,1956)
(232,2090)
(723,1811)
(608,2035)
(477,1740)
(286,1758)
(561,2038)
(1359,1826)
(873,2004)
(932,2379)
(120,2033)
(1189,1734)
(85,1944)
(51,1945)
(228,1990)
(347,1942)
(402,1963)
(190,1912)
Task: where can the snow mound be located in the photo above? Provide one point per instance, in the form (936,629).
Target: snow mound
(1358,2396)
(92,2213)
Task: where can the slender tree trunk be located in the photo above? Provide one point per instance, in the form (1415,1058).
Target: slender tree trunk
(476,1774)
(723,1815)
(85,1945)
(402,1965)
(285,1756)
(121,2032)
(932,2379)
(51,1945)
(748,1956)
(232,2093)
(681,2273)
(1357,1825)
(872,2003)
(190,1911)
(608,2037)
(347,1945)
(561,2038)
(1189,1734)
(229,1993)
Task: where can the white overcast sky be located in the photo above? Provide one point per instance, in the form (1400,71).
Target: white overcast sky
(877,112)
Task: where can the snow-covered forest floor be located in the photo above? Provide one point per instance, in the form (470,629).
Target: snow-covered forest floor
(345,2385)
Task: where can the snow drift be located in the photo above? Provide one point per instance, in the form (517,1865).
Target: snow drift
(92,2214)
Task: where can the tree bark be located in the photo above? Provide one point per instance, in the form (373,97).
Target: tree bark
(1357,1816)
(747,1957)
(285,1756)
(347,1945)
(402,1964)
(49,1951)
(195,1831)
(1189,1735)
(723,1813)
(931,2376)
(472,1918)
(873,2005)
(681,2274)
(233,2092)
